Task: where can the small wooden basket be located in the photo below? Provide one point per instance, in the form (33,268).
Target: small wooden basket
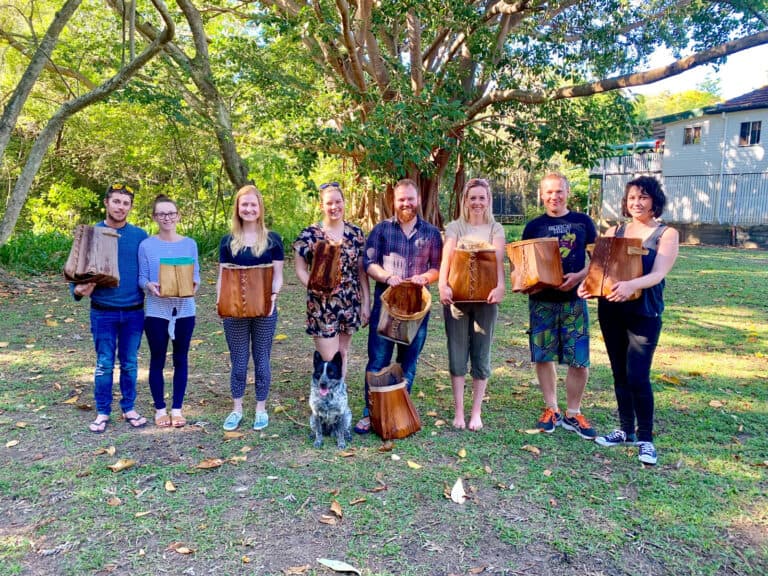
(325,273)
(177,277)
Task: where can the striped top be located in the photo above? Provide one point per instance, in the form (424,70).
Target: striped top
(151,251)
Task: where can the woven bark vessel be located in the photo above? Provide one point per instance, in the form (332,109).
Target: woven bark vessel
(614,260)
(325,273)
(246,291)
(393,415)
(535,264)
(403,308)
(473,274)
(93,257)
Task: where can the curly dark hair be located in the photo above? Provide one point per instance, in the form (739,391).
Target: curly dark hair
(651,186)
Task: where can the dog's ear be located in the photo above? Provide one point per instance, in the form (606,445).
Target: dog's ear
(333,369)
(317,359)
(337,359)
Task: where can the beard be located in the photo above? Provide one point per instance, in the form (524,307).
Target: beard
(405,215)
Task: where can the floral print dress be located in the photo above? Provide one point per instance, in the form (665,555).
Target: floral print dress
(339,312)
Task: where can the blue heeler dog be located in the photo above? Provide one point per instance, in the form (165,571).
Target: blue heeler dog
(331,415)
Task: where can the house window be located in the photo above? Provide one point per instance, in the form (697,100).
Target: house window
(749,135)
(692,135)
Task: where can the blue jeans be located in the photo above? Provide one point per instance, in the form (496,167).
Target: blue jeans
(380,349)
(116,331)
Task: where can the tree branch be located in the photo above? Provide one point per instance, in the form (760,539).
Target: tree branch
(414,40)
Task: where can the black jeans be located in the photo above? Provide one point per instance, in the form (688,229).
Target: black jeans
(630,341)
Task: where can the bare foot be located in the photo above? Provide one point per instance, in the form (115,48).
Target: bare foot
(475,423)
(458,423)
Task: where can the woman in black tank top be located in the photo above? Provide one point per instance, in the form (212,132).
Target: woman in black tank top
(631,328)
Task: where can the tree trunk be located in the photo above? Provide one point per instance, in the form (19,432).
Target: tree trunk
(36,64)
(55,124)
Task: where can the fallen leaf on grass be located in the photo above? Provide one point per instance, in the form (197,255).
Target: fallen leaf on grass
(553,502)
(532,449)
(114,501)
(716,403)
(21,424)
(547,473)
(68,320)
(413,465)
(439,423)
(122,464)
(109,451)
(421,394)
(279,409)
(478,569)
(245,449)
(169,486)
(533,431)
(246,560)
(72,400)
(338,566)
(180,548)
(386,446)
(395,457)
(669,379)
(432,414)
(237,459)
(281,337)
(209,463)
(51,323)
(233,435)
(357,501)
(296,570)
(462,453)
(488,469)
(328,519)
(336,508)
(3,344)
(458,494)
(84,407)
(441,387)
(348,453)
(142,514)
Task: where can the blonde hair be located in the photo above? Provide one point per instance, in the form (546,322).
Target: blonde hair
(475,183)
(237,243)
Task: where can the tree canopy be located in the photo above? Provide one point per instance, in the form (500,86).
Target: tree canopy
(284,91)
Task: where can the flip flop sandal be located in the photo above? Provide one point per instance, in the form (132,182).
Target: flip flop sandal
(163,421)
(135,421)
(98,426)
(179,421)
(363,426)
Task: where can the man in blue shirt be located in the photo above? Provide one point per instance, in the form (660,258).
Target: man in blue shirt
(117,315)
(404,247)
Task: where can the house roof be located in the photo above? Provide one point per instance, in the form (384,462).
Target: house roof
(749,101)
(755,99)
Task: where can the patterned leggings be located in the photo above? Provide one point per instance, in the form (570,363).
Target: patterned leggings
(246,336)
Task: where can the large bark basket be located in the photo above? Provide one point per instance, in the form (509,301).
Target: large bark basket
(535,263)
(93,257)
(393,415)
(403,308)
(614,260)
(473,274)
(246,291)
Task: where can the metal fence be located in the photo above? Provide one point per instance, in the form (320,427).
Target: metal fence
(733,199)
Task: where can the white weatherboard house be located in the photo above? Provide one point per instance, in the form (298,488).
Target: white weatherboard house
(713,163)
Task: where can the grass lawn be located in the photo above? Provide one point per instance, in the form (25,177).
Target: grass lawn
(538,504)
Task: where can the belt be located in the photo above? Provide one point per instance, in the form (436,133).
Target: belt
(107,308)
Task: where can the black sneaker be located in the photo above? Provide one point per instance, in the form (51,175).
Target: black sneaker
(549,420)
(580,425)
(646,453)
(616,438)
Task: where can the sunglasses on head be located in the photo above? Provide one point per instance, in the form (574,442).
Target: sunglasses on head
(477,181)
(120,188)
(329,185)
